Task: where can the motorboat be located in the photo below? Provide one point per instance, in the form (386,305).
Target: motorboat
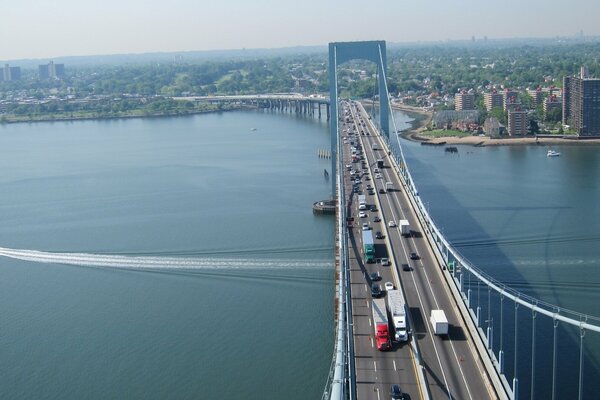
(552,153)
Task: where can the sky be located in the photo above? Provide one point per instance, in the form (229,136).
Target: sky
(43,29)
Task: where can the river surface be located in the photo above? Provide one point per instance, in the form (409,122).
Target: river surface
(228,285)
(179,257)
(532,222)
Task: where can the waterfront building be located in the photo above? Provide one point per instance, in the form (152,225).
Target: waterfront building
(511,100)
(492,127)
(518,122)
(51,70)
(536,96)
(581,103)
(464,101)
(552,102)
(493,100)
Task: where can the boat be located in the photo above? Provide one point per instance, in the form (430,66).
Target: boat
(552,153)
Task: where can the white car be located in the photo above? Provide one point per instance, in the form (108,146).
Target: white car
(362,214)
(365,227)
(385,262)
(392,224)
(389,286)
(377,176)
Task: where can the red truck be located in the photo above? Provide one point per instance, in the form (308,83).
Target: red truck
(380,322)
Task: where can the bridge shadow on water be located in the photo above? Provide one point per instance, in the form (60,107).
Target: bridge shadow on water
(445,207)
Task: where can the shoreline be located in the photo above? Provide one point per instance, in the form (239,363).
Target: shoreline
(423,118)
(115,117)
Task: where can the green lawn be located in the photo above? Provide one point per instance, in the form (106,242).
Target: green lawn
(446,133)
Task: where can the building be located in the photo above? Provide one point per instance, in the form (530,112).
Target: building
(518,122)
(493,100)
(552,102)
(511,100)
(464,101)
(10,73)
(493,128)
(536,96)
(51,70)
(581,103)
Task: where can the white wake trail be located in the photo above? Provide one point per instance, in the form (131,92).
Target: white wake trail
(147,262)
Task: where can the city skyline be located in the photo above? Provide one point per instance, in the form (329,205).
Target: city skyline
(72,28)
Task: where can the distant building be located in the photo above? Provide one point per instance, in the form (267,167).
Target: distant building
(51,70)
(511,100)
(464,101)
(493,100)
(518,122)
(446,119)
(10,73)
(536,96)
(581,103)
(552,102)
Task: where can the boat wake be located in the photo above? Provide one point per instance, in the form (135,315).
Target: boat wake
(159,263)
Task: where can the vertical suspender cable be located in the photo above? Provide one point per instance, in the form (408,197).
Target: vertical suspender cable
(501,351)
(515,379)
(554,361)
(581,335)
(533,315)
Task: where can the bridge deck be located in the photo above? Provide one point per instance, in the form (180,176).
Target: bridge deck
(451,364)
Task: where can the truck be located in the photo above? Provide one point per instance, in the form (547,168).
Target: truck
(439,322)
(397,307)
(389,186)
(380,163)
(404,227)
(380,324)
(374,146)
(362,202)
(368,246)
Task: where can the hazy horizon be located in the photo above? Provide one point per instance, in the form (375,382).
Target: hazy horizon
(70,28)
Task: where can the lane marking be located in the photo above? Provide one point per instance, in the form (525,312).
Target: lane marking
(395,369)
(375,365)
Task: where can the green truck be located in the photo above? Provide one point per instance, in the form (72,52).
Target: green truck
(368,246)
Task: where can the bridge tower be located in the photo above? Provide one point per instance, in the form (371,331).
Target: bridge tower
(339,53)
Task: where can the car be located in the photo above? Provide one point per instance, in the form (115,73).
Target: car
(371,192)
(362,214)
(375,276)
(378,235)
(392,224)
(388,286)
(396,392)
(367,178)
(373,208)
(385,261)
(382,191)
(365,227)
(414,256)
(405,267)
(377,176)
(377,219)
(375,169)
(376,290)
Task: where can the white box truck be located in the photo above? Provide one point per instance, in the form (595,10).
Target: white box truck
(389,186)
(439,322)
(404,227)
(397,307)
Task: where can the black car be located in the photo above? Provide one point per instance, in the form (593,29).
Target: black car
(375,276)
(382,190)
(373,208)
(396,392)
(405,267)
(378,235)
(414,256)
(376,290)
(376,219)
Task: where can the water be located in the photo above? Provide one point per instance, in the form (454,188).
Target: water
(531,222)
(165,258)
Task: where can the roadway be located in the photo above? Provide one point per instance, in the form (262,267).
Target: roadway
(451,364)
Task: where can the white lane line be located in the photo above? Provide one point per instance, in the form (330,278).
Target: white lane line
(372,345)
(375,365)
(371,325)
(378,398)
(366,290)
(395,369)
